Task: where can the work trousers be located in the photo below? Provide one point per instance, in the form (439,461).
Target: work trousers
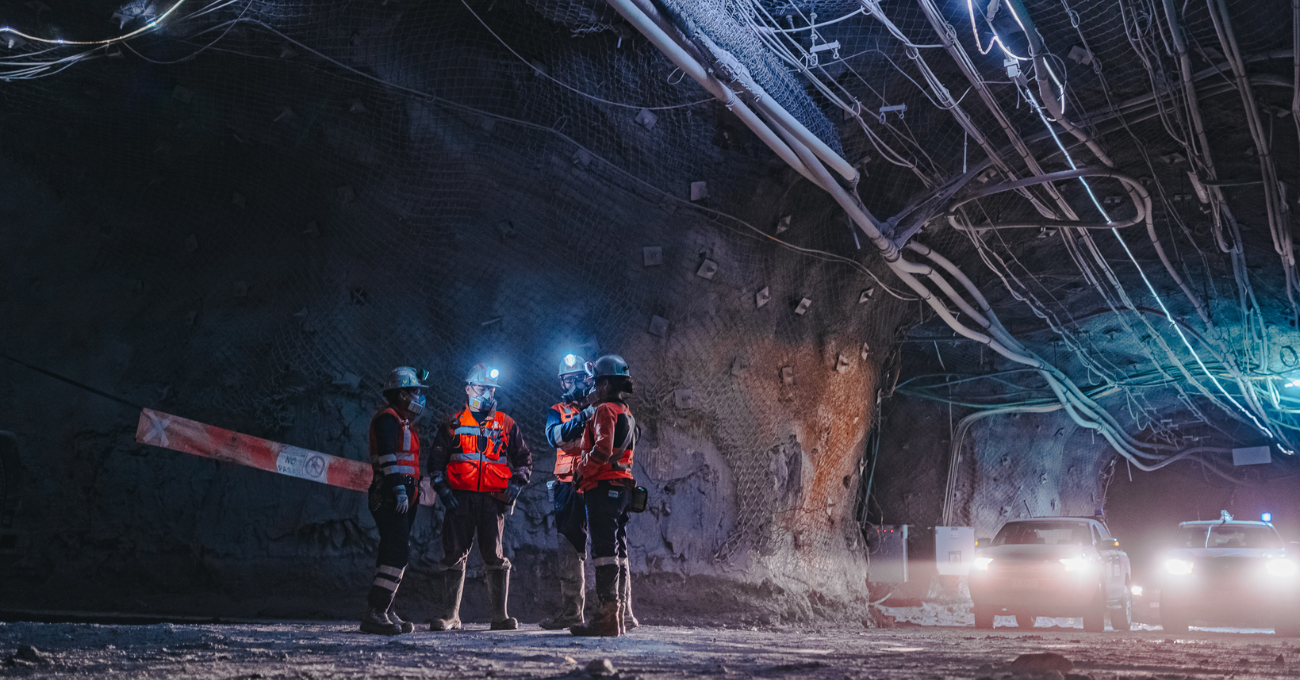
(394,543)
(607,520)
(478,514)
(570,515)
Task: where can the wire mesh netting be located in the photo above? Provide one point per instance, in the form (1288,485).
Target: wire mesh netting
(509,180)
(315,193)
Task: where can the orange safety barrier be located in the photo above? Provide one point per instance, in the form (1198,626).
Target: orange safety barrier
(179,434)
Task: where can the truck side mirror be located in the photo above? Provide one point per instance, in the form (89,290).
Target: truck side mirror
(983,542)
(1112,543)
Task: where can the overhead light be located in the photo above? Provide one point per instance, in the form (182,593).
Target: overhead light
(1266,517)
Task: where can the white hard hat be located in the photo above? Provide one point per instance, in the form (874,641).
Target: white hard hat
(484,375)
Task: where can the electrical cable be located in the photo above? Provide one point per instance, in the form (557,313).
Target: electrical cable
(60,41)
(565,85)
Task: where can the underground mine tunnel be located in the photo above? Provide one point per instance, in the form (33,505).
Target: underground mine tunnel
(938,338)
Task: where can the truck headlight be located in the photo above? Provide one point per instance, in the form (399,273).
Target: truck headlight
(1074,563)
(981,563)
(1178,567)
(1280,567)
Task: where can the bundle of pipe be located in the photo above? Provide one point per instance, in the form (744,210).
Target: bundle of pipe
(808,155)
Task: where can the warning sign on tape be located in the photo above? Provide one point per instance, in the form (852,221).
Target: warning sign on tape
(179,434)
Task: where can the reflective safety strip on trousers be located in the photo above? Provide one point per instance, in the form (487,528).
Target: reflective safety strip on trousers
(605,562)
(388,578)
(179,434)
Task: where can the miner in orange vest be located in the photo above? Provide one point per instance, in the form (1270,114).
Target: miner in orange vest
(604,477)
(394,492)
(565,422)
(478,465)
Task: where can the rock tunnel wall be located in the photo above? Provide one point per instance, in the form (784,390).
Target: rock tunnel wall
(253,238)
(1009,467)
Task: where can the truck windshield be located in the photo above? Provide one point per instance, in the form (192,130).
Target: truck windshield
(1190,537)
(1244,536)
(1044,533)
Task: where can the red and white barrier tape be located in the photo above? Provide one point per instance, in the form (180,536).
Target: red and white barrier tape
(179,434)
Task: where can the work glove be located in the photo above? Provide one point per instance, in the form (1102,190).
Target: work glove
(587,413)
(403,502)
(448,498)
(513,489)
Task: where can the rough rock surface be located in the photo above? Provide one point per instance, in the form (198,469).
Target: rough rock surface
(335,650)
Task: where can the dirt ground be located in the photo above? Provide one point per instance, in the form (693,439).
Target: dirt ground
(336,650)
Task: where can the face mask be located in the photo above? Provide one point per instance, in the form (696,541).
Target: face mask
(482,403)
(576,393)
(415,406)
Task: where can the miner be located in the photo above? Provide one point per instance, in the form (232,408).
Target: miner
(604,477)
(394,489)
(565,422)
(478,464)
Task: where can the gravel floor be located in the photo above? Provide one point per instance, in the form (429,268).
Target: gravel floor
(335,650)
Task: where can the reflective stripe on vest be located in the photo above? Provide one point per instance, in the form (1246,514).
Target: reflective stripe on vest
(478,462)
(566,456)
(404,461)
(619,465)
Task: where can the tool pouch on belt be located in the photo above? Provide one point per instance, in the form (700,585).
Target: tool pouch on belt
(640,499)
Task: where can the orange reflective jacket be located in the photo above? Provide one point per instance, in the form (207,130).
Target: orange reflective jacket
(566,457)
(607,445)
(405,460)
(478,458)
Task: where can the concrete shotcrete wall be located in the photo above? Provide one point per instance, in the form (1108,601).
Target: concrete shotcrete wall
(174,237)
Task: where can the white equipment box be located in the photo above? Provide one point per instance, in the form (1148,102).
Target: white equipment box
(888,554)
(954,549)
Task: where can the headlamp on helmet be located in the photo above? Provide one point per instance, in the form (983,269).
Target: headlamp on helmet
(573,378)
(485,378)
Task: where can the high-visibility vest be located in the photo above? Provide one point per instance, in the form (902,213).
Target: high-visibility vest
(406,459)
(616,420)
(478,461)
(566,456)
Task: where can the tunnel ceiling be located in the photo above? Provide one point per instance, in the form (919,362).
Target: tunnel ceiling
(1179,323)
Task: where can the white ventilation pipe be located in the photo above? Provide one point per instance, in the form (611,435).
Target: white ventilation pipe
(691,67)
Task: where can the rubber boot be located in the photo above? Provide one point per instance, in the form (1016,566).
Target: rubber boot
(498,587)
(406,626)
(625,596)
(453,584)
(605,623)
(573,588)
(375,622)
